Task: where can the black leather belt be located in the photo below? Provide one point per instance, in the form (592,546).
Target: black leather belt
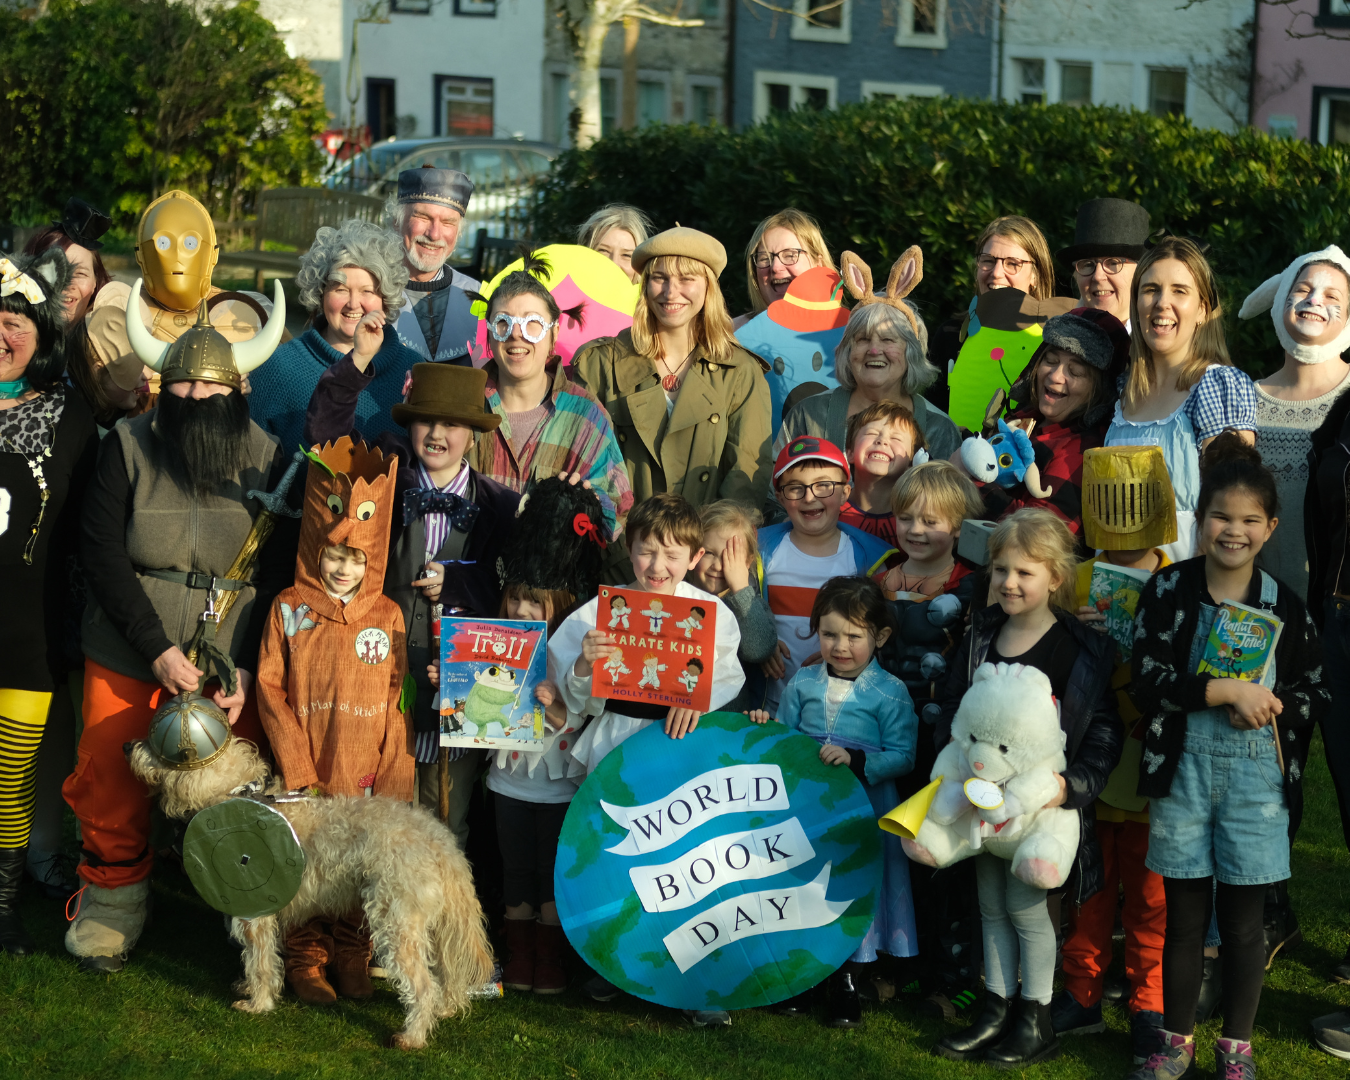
(195,579)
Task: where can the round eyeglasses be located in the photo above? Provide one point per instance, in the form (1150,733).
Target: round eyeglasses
(1010,265)
(788,257)
(821,489)
(532,327)
(1087,267)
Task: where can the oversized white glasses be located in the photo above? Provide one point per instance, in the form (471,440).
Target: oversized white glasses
(532,327)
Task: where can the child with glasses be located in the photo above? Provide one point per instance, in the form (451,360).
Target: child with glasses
(811,477)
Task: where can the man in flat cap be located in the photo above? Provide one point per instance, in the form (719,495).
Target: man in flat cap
(435,319)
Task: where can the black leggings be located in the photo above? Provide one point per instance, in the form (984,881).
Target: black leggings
(1240,909)
(528,835)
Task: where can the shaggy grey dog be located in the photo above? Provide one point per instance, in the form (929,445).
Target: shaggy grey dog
(396,862)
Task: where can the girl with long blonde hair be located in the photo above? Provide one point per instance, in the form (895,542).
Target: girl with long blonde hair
(1181,388)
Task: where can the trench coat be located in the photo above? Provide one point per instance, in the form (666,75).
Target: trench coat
(713,445)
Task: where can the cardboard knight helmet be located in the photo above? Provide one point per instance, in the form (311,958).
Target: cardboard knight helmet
(203,352)
(1128,502)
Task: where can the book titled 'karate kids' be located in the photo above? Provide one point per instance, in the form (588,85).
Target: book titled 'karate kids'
(665,647)
(1241,644)
(489,670)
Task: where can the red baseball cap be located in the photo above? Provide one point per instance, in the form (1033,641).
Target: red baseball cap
(806,448)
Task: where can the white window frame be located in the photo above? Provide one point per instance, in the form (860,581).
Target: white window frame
(871,89)
(798,81)
(646,75)
(1060,64)
(719,100)
(906,38)
(1323,117)
(801,30)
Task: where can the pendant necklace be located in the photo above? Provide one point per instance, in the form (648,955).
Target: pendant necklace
(34,464)
(671,381)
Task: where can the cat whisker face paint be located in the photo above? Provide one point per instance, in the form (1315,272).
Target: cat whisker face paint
(1315,310)
(1309,302)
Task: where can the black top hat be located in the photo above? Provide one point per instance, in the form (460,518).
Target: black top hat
(447,187)
(84,223)
(1108,227)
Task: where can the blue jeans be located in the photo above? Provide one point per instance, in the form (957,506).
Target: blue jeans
(1226,816)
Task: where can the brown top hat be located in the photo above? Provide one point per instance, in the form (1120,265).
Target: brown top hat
(453,393)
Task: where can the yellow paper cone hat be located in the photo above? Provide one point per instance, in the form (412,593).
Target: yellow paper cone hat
(906,818)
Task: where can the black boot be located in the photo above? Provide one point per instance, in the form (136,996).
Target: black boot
(845,1008)
(1281,923)
(14,938)
(988,1028)
(1211,988)
(1030,1038)
(796,1006)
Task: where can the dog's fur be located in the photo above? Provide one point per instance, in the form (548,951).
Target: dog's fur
(396,862)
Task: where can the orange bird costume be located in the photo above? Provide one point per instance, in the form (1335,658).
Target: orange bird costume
(330,674)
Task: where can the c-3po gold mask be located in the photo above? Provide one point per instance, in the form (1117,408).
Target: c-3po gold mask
(176,249)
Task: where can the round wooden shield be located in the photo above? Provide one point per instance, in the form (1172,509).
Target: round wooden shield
(244,858)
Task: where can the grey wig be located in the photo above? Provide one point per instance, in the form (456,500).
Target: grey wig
(359,244)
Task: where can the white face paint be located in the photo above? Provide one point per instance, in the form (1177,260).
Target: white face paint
(1315,310)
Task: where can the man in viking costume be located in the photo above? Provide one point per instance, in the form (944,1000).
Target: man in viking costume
(168,510)
(427,215)
(176,250)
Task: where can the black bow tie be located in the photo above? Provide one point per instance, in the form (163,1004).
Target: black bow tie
(419,502)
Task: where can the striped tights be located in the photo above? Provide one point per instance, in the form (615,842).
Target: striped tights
(23,715)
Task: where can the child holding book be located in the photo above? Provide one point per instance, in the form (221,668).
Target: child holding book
(881,441)
(1215,748)
(665,541)
(864,721)
(330,682)
(811,478)
(731,570)
(1128,514)
(1032,567)
(451,524)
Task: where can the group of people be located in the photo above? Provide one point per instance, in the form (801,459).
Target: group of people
(861,567)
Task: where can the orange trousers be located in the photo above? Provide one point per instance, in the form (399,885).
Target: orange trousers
(112,805)
(1087,949)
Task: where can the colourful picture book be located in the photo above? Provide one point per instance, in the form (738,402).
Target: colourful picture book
(489,669)
(1241,644)
(1114,592)
(665,648)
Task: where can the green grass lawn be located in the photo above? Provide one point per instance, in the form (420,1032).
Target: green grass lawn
(169,1015)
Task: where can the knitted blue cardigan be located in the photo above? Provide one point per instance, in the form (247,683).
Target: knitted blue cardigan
(283,386)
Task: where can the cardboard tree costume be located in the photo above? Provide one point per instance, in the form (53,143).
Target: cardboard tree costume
(1003,330)
(176,250)
(331,674)
(796,336)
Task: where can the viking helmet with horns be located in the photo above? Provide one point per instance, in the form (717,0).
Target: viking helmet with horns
(203,352)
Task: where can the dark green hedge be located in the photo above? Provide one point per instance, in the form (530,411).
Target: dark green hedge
(881,176)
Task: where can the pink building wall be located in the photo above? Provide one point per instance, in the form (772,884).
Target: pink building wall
(1289,69)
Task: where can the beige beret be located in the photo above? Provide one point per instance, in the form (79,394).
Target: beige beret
(681,241)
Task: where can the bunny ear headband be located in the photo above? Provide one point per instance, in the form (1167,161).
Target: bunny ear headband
(906,273)
(1272,295)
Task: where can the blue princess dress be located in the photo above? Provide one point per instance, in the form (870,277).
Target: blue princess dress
(875,715)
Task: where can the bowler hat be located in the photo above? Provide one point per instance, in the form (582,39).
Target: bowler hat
(83,223)
(446,187)
(453,393)
(1108,227)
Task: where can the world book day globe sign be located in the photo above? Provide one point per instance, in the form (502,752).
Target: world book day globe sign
(728,870)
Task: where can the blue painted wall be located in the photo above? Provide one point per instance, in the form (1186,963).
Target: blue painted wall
(962,68)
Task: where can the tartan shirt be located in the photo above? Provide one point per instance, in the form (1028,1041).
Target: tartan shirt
(577,437)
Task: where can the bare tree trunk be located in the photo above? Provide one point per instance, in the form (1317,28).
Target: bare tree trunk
(631,27)
(585,81)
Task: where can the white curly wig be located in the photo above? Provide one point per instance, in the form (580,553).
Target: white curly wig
(358,244)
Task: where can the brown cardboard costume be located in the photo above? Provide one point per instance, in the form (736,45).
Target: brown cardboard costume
(331,669)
